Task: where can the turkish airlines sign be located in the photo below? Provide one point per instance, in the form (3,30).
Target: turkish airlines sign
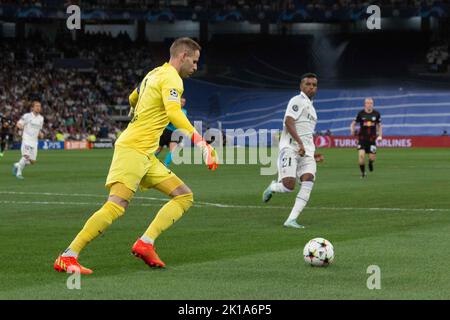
(76,145)
(387,142)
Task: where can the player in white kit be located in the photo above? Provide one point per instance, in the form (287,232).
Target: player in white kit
(31,124)
(296,158)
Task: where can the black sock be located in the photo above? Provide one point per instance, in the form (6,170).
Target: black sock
(363,168)
(2,146)
(370,165)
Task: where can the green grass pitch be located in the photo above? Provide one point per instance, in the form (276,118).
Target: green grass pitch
(398,219)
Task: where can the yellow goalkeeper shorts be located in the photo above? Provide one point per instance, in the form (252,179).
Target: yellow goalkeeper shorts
(135,169)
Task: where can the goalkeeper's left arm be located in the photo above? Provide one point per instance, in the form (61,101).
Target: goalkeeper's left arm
(180,121)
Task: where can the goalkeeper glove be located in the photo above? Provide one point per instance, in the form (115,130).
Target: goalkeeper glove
(208,152)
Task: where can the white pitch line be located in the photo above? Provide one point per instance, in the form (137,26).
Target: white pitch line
(70,203)
(73,195)
(380,209)
(100,203)
(47,202)
(197,203)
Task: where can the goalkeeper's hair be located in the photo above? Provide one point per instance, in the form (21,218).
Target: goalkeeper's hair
(184,44)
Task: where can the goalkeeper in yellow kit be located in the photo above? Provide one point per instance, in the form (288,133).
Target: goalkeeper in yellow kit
(154,103)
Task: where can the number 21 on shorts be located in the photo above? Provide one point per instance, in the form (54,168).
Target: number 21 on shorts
(286,162)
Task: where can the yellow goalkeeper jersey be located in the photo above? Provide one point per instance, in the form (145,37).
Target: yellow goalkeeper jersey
(159,91)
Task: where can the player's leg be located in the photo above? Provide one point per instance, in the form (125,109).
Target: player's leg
(10,141)
(22,161)
(158,151)
(97,224)
(122,181)
(162,179)
(306,171)
(7,141)
(118,200)
(287,166)
(372,156)
(168,159)
(29,154)
(164,141)
(3,139)
(33,156)
(362,159)
(181,200)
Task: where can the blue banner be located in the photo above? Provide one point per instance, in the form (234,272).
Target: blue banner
(51,145)
(42,145)
(415,111)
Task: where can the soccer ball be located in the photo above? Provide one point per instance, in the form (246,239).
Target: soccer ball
(318,252)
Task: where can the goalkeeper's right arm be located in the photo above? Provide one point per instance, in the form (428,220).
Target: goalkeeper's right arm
(133,99)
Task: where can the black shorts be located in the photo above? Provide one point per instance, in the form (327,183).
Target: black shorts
(165,138)
(6,136)
(367,146)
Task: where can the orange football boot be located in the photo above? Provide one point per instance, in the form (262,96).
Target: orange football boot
(70,265)
(147,252)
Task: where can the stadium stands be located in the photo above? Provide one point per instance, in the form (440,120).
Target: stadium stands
(438,57)
(77,101)
(243,80)
(219,10)
(278,61)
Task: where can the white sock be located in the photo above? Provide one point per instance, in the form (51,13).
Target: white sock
(70,253)
(147,240)
(279,187)
(21,165)
(301,200)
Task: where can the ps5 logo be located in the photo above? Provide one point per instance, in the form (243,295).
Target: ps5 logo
(74,20)
(374,21)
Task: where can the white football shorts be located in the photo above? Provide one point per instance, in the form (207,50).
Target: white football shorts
(29,150)
(290,164)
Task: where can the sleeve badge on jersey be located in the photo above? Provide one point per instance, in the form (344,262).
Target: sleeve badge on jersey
(173,95)
(295,107)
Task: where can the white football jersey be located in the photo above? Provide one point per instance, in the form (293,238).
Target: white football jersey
(302,110)
(32,125)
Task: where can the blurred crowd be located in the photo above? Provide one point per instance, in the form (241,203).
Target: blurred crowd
(75,102)
(438,57)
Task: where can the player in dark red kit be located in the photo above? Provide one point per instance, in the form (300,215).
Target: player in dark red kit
(370,132)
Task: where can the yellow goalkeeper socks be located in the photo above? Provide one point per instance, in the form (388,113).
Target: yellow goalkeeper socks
(96,225)
(169,214)
(103,218)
